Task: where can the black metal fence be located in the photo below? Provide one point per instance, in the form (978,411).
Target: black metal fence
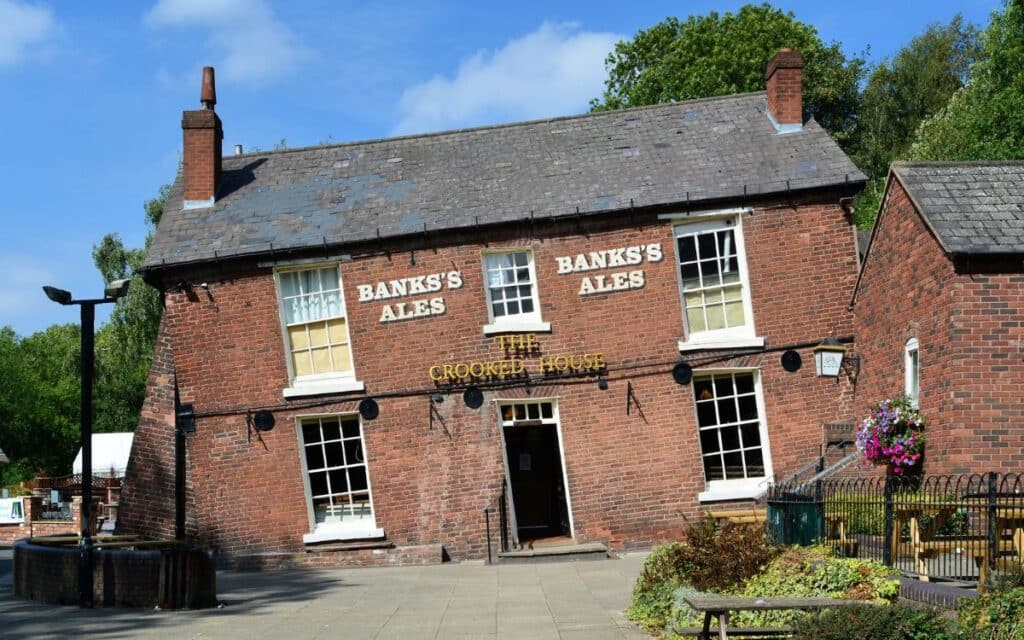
(966,528)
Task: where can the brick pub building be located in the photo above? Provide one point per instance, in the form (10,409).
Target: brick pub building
(940,310)
(516,301)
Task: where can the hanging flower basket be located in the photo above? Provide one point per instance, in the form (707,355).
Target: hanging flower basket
(893,435)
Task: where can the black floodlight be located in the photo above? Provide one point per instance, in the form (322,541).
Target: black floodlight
(473,397)
(60,296)
(263,420)
(117,289)
(791,361)
(369,409)
(682,373)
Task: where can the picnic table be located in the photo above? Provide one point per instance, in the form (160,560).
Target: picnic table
(719,607)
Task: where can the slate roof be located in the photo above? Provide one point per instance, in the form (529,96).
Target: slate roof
(679,153)
(974,208)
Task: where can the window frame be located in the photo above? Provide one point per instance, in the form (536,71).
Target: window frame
(739,336)
(737,488)
(912,371)
(520,322)
(322,532)
(318,383)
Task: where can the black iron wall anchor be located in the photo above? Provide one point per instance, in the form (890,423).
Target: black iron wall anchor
(632,400)
(440,419)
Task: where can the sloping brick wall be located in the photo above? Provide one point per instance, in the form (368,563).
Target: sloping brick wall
(632,480)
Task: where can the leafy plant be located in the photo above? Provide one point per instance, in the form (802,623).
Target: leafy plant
(719,557)
(996,615)
(896,622)
(662,573)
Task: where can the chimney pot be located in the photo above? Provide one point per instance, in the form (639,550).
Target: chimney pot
(784,77)
(238,149)
(208,95)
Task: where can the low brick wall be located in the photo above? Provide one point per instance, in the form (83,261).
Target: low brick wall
(372,556)
(168,578)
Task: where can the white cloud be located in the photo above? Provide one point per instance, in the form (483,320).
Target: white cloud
(553,71)
(255,46)
(22,27)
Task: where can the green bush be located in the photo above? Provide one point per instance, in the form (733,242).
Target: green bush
(663,572)
(811,571)
(873,622)
(719,557)
(997,615)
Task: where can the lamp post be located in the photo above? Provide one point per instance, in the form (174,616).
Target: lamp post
(111,293)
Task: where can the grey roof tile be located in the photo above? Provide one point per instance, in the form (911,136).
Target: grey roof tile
(974,207)
(670,154)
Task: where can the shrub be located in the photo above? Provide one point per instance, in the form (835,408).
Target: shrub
(663,572)
(996,615)
(719,557)
(896,622)
(811,572)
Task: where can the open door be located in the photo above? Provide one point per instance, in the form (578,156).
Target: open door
(533,461)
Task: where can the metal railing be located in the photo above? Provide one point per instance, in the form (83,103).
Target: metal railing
(962,527)
(500,505)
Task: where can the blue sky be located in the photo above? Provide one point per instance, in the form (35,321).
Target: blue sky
(93,93)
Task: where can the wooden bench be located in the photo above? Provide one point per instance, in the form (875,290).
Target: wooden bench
(757,632)
(752,515)
(719,607)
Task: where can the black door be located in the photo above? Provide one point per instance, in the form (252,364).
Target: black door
(535,470)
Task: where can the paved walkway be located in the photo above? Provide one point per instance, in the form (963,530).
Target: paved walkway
(467,600)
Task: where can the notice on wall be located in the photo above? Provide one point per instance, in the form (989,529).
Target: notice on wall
(407,287)
(617,258)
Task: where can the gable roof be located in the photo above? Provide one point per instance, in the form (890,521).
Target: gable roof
(973,208)
(681,153)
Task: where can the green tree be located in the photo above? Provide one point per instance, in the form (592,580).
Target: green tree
(124,345)
(916,83)
(985,119)
(39,400)
(720,54)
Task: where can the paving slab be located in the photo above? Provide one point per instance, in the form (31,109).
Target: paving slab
(559,600)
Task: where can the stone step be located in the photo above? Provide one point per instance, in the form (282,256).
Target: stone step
(556,553)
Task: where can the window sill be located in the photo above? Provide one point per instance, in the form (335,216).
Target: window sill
(517,326)
(741,491)
(721,343)
(321,387)
(332,535)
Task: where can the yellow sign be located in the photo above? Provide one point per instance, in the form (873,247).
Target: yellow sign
(514,365)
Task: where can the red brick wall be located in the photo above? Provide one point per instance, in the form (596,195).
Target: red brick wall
(146,503)
(969,332)
(631,478)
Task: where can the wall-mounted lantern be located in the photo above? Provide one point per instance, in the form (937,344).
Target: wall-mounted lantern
(830,358)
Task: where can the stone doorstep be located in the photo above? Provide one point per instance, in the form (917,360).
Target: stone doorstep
(560,552)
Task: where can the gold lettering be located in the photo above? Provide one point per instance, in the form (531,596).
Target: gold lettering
(461,370)
(490,370)
(476,369)
(517,367)
(449,372)
(435,373)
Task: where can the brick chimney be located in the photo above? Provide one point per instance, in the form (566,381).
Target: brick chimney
(785,75)
(202,135)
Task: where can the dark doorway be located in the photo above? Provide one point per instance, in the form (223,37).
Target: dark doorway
(535,472)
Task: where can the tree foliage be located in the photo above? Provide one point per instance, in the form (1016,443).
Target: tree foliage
(720,54)
(985,119)
(40,379)
(124,345)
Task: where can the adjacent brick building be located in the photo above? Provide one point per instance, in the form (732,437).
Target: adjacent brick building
(516,302)
(940,310)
